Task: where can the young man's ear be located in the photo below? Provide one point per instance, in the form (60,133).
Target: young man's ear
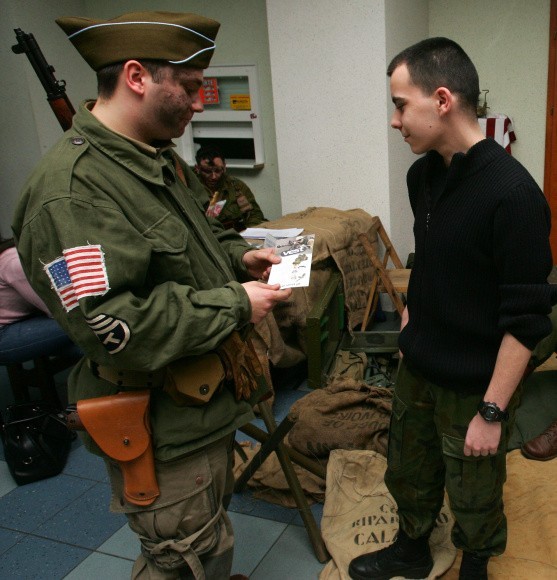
(445,100)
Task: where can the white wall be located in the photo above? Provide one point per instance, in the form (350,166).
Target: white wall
(332,106)
(330,109)
(508,41)
(406,22)
(28,127)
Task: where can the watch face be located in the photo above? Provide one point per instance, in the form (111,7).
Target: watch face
(489,412)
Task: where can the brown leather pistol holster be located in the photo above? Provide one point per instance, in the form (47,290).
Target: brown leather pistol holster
(119,425)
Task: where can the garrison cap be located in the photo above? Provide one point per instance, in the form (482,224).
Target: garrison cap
(176,37)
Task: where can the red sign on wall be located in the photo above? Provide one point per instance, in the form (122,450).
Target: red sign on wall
(209,91)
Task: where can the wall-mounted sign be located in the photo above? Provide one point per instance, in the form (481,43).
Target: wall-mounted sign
(240,102)
(209,91)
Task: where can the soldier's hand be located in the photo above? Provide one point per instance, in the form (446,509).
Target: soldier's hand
(259,262)
(264,297)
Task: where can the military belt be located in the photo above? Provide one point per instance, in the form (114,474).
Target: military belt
(127,378)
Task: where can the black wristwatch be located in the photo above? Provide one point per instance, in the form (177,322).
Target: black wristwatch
(491,412)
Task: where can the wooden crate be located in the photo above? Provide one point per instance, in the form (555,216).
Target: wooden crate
(324,330)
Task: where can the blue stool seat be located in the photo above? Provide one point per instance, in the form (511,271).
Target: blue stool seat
(38,373)
(34,350)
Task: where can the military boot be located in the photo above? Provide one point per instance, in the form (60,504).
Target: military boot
(405,557)
(473,567)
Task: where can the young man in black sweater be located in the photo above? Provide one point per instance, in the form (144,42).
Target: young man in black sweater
(478,302)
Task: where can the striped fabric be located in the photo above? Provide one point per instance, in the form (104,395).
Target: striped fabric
(500,128)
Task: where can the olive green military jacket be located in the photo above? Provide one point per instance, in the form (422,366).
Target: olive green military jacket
(121,252)
(240,211)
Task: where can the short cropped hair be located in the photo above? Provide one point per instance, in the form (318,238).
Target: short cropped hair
(209,153)
(440,62)
(107,77)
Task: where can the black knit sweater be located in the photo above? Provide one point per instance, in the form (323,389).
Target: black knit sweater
(482,259)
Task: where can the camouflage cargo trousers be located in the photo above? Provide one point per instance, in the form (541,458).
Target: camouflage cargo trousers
(426,456)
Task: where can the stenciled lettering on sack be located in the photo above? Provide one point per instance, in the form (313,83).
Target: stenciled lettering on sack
(339,422)
(382,537)
(385,535)
(375,520)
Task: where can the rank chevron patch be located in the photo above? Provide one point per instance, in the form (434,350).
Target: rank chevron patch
(113,333)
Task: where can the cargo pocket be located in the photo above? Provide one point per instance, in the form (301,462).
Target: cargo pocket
(468,478)
(395,450)
(175,532)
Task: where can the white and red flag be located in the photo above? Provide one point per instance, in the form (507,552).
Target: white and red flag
(78,273)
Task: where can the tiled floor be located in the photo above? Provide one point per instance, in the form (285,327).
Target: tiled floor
(61,527)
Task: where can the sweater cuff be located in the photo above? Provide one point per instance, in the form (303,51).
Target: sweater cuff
(525,310)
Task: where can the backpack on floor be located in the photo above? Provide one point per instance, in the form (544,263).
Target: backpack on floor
(36,441)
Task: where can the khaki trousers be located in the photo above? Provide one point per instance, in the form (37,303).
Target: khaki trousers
(186,533)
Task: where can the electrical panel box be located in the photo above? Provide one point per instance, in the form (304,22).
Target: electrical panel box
(231,119)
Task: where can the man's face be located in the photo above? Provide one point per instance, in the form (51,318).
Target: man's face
(416,114)
(211,172)
(174,100)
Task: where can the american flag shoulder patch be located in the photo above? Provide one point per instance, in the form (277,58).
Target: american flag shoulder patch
(78,273)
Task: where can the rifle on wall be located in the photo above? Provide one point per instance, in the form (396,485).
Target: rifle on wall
(55,89)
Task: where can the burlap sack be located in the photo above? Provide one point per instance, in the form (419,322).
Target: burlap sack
(530,496)
(359,515)
(269,483)
(346,414)
(336,237)
(348,364)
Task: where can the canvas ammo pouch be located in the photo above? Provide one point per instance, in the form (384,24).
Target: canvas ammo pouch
(193,381)
(119,425)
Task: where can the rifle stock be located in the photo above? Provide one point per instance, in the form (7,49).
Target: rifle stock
(63,110)
(55,89)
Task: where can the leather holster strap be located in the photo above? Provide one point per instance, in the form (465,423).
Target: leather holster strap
(119,425)
(126,378)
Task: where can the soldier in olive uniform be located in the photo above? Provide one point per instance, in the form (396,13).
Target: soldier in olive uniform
(229,199)
(113,236)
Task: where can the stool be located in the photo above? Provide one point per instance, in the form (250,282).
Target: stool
(272,440)
(40,375)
